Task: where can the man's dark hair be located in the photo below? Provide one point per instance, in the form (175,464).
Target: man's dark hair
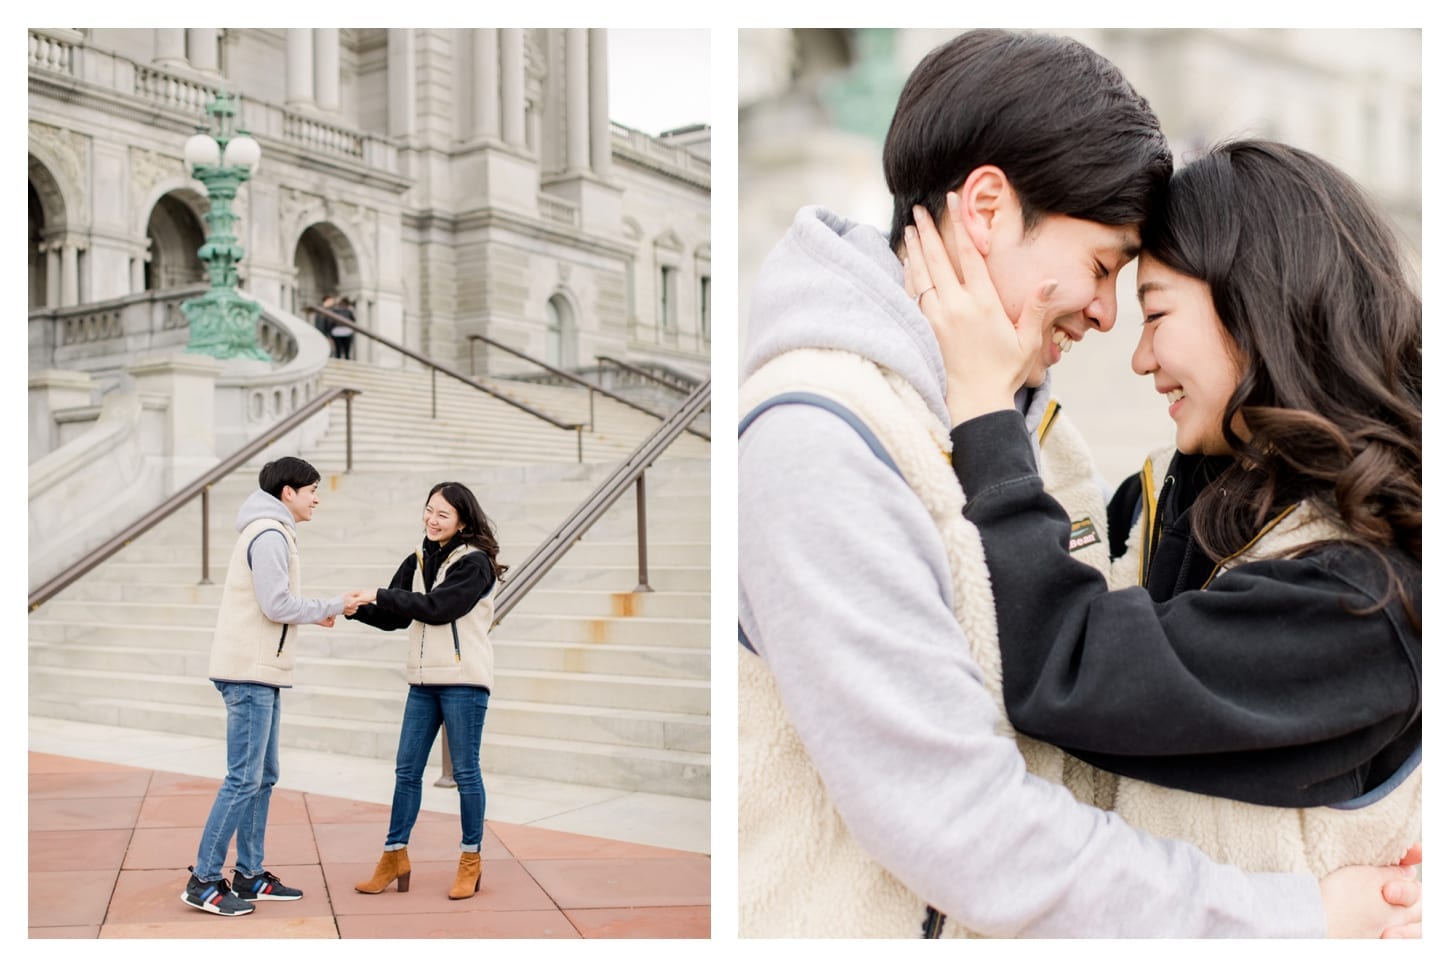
(1062,123)
(291,472)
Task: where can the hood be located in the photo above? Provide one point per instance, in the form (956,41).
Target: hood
(831,283)
(262,505)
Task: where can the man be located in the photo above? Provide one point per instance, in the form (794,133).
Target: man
(879,792)
(252,659)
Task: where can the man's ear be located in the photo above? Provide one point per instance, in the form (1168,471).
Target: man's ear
(987,203)
(283,495)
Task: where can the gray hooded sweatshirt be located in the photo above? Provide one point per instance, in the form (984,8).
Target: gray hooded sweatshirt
(844,590)
(268,558)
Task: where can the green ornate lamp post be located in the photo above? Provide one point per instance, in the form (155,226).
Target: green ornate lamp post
(222,322)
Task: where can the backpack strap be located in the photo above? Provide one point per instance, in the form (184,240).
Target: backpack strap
(826,403)
(1371,796)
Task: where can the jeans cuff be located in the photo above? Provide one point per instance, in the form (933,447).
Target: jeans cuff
(466,848)
(389,847)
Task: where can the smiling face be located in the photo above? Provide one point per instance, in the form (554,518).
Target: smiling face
(440,520)
(300,502)
(1085,259)
(1186,350)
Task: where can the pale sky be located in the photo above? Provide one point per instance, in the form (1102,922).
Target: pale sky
(659,79)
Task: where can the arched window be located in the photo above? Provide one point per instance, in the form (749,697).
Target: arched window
(175,234)
(561,346)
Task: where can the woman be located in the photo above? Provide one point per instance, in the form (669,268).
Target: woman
(1269,662)
(443,593)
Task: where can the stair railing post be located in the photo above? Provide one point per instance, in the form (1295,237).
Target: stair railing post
(639,529)
(435,392)
(591,410)
(348,401)
(205,535)
(446,778)
(579,442)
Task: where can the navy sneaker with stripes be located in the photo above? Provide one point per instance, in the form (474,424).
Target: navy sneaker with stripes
(214,897)
(263,886)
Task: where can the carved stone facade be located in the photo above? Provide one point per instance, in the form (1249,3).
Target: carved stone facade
(450,181)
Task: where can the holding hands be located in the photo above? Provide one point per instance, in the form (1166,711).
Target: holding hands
(988,355)
(1375,901)
(354,599)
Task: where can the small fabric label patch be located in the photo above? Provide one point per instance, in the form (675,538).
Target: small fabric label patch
(1083,534)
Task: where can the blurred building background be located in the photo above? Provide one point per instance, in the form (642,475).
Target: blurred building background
(815,106)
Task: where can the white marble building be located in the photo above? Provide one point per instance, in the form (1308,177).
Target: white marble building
(450,181)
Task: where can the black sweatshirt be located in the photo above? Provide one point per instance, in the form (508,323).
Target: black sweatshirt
(1263,688)
(469,578)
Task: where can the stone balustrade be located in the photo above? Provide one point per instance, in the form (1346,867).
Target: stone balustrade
(557,210)
(104,336)
(186,98)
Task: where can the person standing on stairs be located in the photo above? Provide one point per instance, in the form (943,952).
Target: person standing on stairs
(342,333)
(324,325)
(253,655)
(443,593)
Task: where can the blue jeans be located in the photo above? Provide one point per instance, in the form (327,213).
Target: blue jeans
(253,715)
(461,709)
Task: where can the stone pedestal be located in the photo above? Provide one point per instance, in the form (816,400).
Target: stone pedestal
(186,428)
(600,204)
(52,390)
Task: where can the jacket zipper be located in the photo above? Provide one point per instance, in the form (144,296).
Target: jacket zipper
(282,641)
(1156,530)
(457,654)
(931,927)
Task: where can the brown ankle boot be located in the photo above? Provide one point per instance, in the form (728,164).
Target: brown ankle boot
(470,875)
(393,866)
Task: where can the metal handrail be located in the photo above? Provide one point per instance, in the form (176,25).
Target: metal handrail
(200,486)
(574,378)
(437,368)
(645,374)
(631,471)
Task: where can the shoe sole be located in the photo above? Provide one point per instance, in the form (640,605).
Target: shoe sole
(264,896)
(206,909)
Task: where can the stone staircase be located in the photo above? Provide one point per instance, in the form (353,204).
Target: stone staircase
(595,684)
(473,429)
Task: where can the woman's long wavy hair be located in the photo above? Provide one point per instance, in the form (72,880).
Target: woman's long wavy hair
(475,529)
(1308,281)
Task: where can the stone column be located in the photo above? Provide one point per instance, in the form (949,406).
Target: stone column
(201,48)
(485,83)
(326,68)
(299,66)
(576,100)
(70,291)
(511,85)
(600,151)
(170,47)
(402,83)
(52,274)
